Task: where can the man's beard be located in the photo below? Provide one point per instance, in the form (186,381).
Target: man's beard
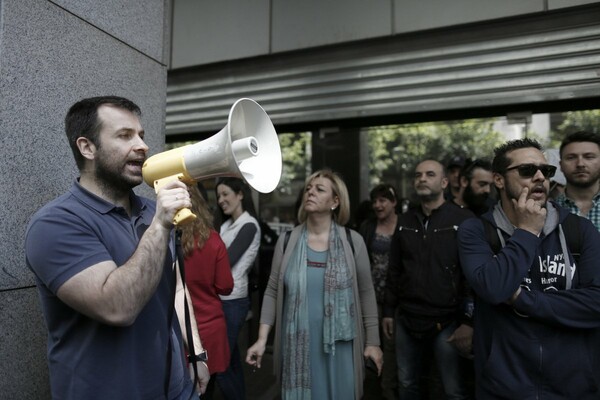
(432,195)
(478,203)
(584,184)
(514,193)
(474,200)
(111,177)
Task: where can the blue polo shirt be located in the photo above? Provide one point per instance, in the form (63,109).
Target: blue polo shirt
(88,359)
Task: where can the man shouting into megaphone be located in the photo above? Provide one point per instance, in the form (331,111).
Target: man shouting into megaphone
(103,259)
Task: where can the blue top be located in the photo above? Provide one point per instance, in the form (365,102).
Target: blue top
(546,345)
(89,359)
(332,375)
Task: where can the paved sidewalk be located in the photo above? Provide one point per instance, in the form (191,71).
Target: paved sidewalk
(260,383)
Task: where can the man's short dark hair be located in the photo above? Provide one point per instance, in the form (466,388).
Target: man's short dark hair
(501,161)
(82,120)
(471,165)
(580,136)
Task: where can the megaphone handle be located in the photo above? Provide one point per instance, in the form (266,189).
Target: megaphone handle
(183,216)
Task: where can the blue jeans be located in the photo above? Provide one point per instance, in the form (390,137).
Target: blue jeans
(410,354)
(231,382)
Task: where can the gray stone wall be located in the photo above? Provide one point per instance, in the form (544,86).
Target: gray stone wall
(53,53)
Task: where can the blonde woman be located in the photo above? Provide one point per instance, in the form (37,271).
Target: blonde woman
(321,299)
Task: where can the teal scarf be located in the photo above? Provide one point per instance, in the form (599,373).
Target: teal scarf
(338,317)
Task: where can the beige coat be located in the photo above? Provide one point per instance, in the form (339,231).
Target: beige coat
(364,294)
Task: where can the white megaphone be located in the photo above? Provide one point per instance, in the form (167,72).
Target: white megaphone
(247,147)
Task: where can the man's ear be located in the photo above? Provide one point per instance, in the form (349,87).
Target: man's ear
(499,181)
(444,183)
(86,147)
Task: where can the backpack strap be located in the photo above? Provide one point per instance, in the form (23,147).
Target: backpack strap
(572,233)
(349,237)
(491,236)
(286,239)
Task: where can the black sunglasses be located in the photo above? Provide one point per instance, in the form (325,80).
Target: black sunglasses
(529,170)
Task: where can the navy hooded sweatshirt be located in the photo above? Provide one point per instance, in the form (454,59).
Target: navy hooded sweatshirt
(546,345)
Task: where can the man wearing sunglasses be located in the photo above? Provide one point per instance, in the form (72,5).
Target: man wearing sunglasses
(537,313)
(580,163)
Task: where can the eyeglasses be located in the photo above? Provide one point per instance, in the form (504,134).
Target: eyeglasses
(529,170)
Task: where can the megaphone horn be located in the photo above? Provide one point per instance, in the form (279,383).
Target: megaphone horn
(247,147)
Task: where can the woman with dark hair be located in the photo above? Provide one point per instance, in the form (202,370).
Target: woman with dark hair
(377,232)
(241,233)
(207,275)
(321,299)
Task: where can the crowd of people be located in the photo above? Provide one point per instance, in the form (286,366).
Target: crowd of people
(487,283)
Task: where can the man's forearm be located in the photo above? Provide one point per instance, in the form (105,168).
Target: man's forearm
(129,287)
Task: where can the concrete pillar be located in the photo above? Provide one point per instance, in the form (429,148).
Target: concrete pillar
(53,53)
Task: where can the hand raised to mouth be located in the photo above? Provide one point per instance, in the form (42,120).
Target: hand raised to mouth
(530,214)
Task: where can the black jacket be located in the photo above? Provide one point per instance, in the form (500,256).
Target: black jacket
(424,279)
